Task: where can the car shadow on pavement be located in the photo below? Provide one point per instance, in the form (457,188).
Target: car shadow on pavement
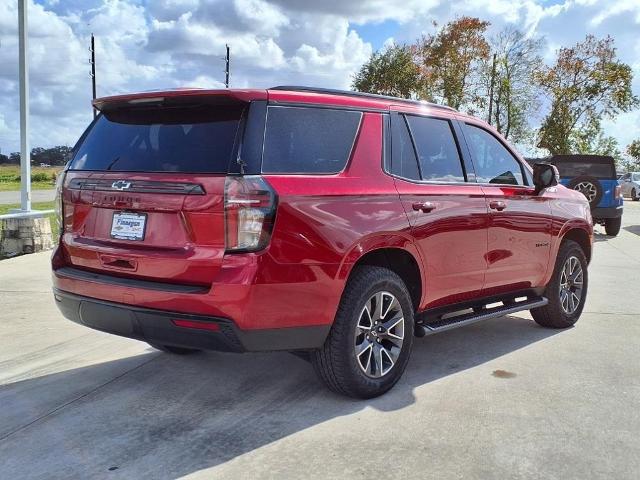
(169,416)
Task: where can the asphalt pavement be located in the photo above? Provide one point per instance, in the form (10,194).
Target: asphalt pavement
(503,399)
(7,198)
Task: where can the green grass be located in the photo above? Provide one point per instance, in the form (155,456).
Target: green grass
(42,178)
(37,206)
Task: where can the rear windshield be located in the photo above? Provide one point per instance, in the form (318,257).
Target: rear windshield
(572,169)
(308,140)
(178,139)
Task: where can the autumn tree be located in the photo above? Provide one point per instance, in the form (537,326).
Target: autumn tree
(507,82)
(586,83)
(450,61)
(633,152)
(389,72)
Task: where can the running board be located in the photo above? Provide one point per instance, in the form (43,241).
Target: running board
(461,320)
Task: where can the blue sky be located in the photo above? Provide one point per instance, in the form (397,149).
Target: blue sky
(151,44)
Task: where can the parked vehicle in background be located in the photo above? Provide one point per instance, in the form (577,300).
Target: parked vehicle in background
(330,222)
(595,177)
(630,185)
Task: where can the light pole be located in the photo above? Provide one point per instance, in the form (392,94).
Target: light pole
(25,154)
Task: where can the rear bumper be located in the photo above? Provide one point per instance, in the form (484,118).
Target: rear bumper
(158,327)
(606,212)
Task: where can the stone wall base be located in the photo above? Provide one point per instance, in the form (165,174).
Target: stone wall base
(24,235)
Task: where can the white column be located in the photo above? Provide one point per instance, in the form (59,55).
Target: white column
(25,154)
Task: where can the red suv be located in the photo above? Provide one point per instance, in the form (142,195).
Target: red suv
(334,223)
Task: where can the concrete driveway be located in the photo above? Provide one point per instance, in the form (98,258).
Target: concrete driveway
(500,399)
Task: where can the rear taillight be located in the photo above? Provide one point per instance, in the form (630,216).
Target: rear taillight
(250,207)
(618,192)
(59,209)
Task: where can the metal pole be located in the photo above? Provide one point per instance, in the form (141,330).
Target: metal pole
(93,71)
(493,77)
(226,70)
(25,154)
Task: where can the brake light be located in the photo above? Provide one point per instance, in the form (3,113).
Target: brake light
(250,207)
(618,192)
(58,206)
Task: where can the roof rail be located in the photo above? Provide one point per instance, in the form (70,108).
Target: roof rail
(351,93)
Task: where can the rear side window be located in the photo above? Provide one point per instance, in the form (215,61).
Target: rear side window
(437,150)
(492,161)
(178,139)
(308,140)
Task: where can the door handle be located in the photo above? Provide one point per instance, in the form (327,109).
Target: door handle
(425,207)
(497,205)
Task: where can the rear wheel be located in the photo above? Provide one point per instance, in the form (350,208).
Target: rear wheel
(612,226)
(369,344)
(589,186)
(567,290)
(174,350)
(634,195)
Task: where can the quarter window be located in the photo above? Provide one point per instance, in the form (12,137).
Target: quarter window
(492,161)
(437,150)
(308,140)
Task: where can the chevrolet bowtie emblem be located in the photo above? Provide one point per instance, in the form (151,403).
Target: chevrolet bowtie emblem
(120,185)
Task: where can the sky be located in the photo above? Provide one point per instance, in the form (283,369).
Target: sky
(154,44)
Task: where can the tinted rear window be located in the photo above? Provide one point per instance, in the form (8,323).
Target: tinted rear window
(572,169)
(308,140)
(178,139)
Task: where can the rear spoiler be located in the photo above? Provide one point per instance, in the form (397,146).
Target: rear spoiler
(177,97)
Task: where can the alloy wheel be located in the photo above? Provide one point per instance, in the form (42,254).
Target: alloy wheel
(571,285)
(588,189)
(379,334)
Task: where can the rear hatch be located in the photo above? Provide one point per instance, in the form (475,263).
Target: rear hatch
(143,197)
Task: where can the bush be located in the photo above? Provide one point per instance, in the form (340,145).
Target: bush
(40,177)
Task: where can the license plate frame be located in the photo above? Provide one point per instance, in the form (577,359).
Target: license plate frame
(128,226)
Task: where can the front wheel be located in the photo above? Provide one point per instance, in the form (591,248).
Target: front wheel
(634,195)
(612,226)
(567,290)
(370,341)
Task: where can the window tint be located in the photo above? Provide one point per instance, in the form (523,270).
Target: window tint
(572,169)
(492,161)
(636,177)
(405,163)
(437,150)
(197,139)
(308,140)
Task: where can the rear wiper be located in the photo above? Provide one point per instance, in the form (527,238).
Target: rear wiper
(115,160)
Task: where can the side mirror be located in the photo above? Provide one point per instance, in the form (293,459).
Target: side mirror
(544,175)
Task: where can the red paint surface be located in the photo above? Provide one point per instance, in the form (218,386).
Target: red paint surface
(324,224)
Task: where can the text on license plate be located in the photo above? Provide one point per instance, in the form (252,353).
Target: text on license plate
(128,226)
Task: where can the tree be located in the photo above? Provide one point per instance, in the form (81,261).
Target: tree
(586,83)
(3,158)
(509,84)
(389,72)
(633,154)
(14,157)
(590,139)
(450,61)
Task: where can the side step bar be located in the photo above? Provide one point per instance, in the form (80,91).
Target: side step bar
(461,320)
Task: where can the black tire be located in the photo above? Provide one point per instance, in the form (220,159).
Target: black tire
(553,315)
(174,350)
(582,179)
(634,195)
(336,363)
(612,226)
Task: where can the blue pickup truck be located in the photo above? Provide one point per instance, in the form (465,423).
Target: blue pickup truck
(595,177)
